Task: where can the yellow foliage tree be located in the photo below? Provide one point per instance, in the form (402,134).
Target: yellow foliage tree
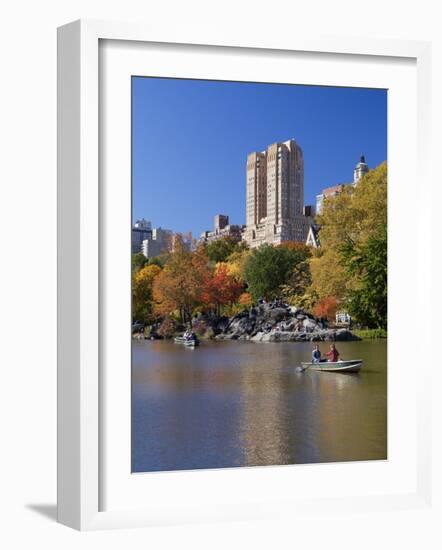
(357,212)
(236,264)
(328,275)
(142,284)
(352,217)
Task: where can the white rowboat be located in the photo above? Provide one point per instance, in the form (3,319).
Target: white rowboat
(339,366)
(188,342)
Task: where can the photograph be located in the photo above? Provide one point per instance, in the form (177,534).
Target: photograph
(258,274)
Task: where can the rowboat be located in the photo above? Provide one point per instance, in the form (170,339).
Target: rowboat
(188,342)
(191,343)
(339,366)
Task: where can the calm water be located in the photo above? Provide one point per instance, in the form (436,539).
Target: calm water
(228,404)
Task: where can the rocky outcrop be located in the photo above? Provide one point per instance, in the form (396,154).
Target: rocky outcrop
(327,335)
(273,322)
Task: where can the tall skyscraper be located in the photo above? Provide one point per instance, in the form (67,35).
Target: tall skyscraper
(275,195)
(256,208)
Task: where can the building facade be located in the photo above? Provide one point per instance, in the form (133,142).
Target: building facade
(159,241)
(222,229)
(275,195)
(360,170)
(141,230)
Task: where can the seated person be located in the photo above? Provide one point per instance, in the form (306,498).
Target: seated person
(333,354)
(316,354)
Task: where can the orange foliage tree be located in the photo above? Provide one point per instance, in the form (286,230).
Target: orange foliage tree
(326,307)
(245,299)
(220,288)
(178,288)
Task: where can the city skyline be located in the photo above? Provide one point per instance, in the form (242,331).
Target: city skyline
(182,178)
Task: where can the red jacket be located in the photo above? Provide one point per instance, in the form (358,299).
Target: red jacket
(333,355)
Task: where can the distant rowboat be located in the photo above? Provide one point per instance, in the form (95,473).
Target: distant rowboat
(188,342)
(192,344)
(339,366)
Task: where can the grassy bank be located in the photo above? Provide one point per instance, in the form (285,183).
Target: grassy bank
(370,333)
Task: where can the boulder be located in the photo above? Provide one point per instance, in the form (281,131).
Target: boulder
(309,324)
(277,314)
(344,334)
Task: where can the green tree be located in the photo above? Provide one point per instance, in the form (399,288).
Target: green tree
(160,260)
(221,249)
(268,268)
(138,261)
(366,263)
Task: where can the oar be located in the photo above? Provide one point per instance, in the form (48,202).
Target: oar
(301,368)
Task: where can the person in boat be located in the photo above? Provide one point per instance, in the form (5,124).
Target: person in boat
(333,354)
(316,354)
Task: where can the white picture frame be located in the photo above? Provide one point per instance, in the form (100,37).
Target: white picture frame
(80,293)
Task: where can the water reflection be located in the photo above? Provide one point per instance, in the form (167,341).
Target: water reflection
(229,404)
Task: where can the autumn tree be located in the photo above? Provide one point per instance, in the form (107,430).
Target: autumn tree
(236,263)
(326,307)
(298,280)
(220,288)
(328,274)
(245,299)
(142,285)
(349,222)
(179,286)
(357,212)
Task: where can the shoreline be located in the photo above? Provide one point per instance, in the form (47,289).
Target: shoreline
(274,338)
(272,322)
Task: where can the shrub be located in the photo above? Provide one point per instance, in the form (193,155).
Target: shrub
(167,328)
(199,327)
(370,333)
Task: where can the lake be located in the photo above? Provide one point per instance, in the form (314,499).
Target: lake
(237,403)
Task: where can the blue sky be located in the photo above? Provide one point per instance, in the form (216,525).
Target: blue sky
(191,138)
